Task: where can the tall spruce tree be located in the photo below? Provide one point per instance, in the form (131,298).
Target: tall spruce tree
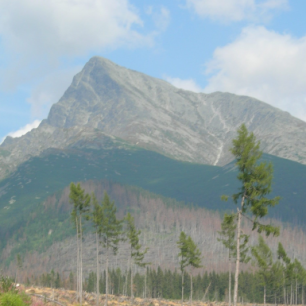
(182,244)
(264,260)
(81,203)
(276,280)
(111,231)
(287,270)
(189,255)
(136,256)
(256,178)
(19,265)
(301,276)
(227,237)
(97,220)
(194,260)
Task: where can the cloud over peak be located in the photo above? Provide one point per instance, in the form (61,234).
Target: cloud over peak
(263,64)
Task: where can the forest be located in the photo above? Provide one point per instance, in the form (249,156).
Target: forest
(261,274)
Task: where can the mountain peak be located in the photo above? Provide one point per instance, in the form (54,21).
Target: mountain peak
(152,114)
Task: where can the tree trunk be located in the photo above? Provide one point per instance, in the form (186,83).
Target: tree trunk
(264,295)
(191,289)
(145,287)
(98,289)
(106,277)
(285,300)
(182,288)
(275,298)
(78,260)
(238,252)
(81,264)
(291,295)
(132,293)
(229,280)
(302,294)
(296,291)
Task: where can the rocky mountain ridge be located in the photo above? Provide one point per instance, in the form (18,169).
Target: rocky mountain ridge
(107,99)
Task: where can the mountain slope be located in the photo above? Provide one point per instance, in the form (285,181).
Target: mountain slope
(105,98)
(47,239)
(24,191)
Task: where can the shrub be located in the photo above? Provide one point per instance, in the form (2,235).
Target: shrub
(12,299)
(6,284)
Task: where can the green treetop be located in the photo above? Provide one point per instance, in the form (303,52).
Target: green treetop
(256,179)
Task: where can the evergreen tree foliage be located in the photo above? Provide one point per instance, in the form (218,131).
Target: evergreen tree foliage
(111,232)
(182,244)
(167,284)
(256,178)
(194,260)
(189,255)
(81,203)
(227,237)
(135,254)
(263,257)
(96,217)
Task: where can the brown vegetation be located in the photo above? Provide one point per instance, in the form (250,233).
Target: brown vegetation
(161,222)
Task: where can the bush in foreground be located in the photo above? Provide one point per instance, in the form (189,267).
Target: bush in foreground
(14,299)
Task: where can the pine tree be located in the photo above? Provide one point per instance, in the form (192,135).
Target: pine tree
(264,261)
(301,275)
(227,237)
(288,267)
(194,260)
(256,179)
(111,231)
(81,202)
(97,220)
(276,279)
(135,254)
(19,265)
(183,255)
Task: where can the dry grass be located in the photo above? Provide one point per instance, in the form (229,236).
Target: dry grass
(68,297)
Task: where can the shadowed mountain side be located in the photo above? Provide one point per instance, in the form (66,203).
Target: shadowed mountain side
(160,219)
(202,185)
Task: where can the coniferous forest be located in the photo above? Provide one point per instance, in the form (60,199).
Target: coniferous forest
(268,276)
(167,284)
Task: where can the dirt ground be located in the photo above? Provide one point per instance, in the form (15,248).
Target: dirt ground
(68,298)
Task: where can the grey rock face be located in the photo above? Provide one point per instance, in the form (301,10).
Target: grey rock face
(152,114)
(182,124)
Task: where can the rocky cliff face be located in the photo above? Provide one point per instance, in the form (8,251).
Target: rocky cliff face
(150,113)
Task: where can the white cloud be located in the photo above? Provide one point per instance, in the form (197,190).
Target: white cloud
(68,27)
(22,131)
(265,65)
(236,10)
(39,37)
(188,84)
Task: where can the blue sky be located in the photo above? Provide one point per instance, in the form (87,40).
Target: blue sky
(250,47)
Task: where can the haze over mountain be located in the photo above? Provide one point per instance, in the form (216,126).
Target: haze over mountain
(106,99)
